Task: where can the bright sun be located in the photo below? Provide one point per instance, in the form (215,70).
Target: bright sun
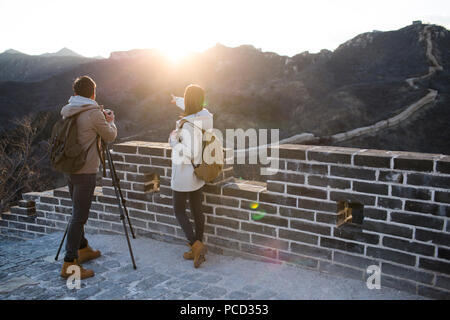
(175,54)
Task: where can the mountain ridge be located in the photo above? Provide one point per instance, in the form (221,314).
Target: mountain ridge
(22,67)
(324,93)
(64,52)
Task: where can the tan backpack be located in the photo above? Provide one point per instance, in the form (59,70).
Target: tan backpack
(208,171)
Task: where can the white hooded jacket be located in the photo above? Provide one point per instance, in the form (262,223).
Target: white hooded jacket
(186,146)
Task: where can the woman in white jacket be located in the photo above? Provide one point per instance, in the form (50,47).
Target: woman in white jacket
(186,143)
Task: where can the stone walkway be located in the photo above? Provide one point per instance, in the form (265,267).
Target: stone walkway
(28,271)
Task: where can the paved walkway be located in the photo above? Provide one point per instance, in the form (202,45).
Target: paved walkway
(28,271)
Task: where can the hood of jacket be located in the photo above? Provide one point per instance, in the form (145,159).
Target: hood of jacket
(202,119)
(78,104)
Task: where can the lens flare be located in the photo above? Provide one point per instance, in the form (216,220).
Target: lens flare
(259,215)
(254,205)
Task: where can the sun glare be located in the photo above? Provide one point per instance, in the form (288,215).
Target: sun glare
(175,54)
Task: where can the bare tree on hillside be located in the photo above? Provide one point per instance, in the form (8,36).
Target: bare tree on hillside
(21,160)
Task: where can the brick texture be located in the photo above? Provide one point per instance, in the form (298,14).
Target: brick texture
(404,200)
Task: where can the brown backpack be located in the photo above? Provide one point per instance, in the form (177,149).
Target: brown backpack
(66,154)
(208,171)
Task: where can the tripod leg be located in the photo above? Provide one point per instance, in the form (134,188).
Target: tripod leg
(113,172)
(119,200)
(122,217)
(129,223)
(129,244)
(62,241)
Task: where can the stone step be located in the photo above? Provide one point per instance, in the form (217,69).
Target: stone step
(31,196)
(3,222)
(30,211)
(7,216)
(62,193)
(27,203)
(21,226)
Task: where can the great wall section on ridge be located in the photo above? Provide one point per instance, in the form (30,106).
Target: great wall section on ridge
(395,120)
(400,211)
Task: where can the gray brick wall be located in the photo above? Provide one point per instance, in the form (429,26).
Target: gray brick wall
(405,230)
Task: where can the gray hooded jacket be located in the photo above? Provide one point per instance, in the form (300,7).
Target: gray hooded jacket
(91,123)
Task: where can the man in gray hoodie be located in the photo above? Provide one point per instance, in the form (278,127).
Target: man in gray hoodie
(93,123)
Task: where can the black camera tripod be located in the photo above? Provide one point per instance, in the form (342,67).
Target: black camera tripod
(121,202)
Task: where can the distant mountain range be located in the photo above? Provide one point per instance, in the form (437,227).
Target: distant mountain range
(18,66)
(362,82)
(64,52)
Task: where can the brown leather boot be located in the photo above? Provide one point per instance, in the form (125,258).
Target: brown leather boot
(84,273)
(189,255)
(87,254)
(199,250)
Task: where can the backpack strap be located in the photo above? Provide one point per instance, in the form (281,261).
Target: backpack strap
(182,122)
(97,142)
(102,154)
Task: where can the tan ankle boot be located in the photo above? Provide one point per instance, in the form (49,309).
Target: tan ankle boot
(189,255)
(199,250)
(87,254)
(84,273)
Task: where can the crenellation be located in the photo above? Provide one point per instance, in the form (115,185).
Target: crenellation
(292,151)
(327,157)
(127,148)
(373,159)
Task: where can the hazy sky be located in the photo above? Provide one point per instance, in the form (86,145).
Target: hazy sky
(286,27)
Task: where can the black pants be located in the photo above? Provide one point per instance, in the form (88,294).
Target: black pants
(195,202)
(81,188)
